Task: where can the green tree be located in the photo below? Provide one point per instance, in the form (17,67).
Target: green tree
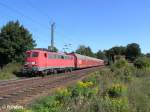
(100,55)
(142,62)
(85,51)
(148,55)
(133,51)
(119,50)
(81,50)
(14,41)
(114,51)
(54,49)
(110,56)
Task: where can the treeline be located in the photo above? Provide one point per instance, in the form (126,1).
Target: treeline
(131,52)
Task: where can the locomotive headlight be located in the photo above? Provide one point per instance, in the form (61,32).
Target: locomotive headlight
(33,63)
(26,63)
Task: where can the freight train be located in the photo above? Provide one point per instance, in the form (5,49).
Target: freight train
(42,61)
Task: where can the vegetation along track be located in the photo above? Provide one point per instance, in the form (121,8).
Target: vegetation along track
(20,92)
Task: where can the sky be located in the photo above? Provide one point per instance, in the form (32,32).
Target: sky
(100,24)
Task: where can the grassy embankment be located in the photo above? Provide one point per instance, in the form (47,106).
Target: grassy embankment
(10,71)
(120,88)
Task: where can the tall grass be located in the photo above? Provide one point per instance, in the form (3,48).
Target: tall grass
(9,71)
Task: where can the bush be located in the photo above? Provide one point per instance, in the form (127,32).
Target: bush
(119,65)
(48,104)
(117,90)
(62,95)
(142,62)
(84,89)
(93,77)
(123,70)
(10,70)
(115,104)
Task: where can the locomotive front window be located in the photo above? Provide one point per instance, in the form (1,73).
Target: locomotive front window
(28,54)
(35,54)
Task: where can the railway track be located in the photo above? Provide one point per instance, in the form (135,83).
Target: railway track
(23,91)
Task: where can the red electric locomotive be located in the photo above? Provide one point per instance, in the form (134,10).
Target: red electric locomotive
(43,61)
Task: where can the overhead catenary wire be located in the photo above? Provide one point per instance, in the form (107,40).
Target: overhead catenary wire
(37,9)
(61,31)
(35,21)
(30,3)
(23,15)
(42,13)
(46,16)
(14,10)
